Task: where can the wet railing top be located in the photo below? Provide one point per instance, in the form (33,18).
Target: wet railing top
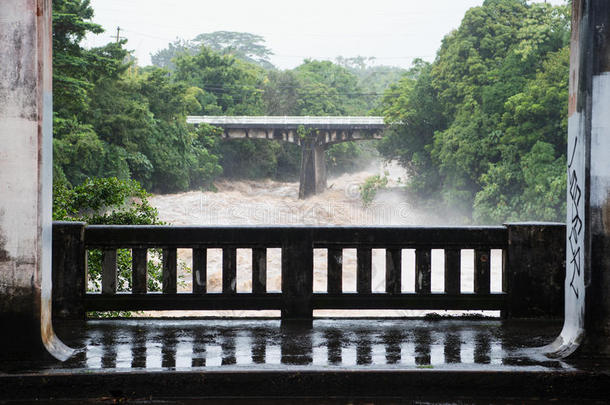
(494,237)
(288,121)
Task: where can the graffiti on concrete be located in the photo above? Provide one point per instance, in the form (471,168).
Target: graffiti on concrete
(576,225)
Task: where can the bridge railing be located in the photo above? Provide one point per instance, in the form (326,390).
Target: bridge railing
(531,260)
(285,120)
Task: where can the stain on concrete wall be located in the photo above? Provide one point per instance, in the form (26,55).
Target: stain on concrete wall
(18,80)
(4,256)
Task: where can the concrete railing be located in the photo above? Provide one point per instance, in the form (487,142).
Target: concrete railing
(287,121)
(532,268)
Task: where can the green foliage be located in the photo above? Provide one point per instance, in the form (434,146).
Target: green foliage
(113,119)
(483,127)
(110,121)
(110,201)
(230,86)
(412,110)
(104,201)
(373,80)
(368,190)
(327,89)
(280,92)
(72,65)
(245,46)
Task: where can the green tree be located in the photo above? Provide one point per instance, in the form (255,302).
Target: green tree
(533,128)
(245,46)
(111,120)
(109,201)
(328,89)
(372,79)
(281,93)
(230,86)
(79,152)
(163,58)
(413,113)
(494,99)
(72,64)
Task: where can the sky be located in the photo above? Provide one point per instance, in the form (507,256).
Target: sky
(393,31)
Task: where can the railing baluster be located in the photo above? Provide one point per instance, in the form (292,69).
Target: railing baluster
(481,271)
(297,275)
(452,271)
(109,271)
(200,270)
(363,275)
(138,270)
(229,270)
(170,259)
(259,270)
(296,298)
(334,277)
(505,286)
(393,270)
(423,271)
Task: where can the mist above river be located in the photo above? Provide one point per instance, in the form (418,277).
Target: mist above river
(268,202)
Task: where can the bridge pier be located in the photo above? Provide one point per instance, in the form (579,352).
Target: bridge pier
(587,283)
(322,132)
(312,179)
(26,178)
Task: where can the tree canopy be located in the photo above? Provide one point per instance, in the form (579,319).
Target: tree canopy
(483,128)
(243,45)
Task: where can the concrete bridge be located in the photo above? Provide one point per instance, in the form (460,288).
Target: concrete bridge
(313,134)
(114,360)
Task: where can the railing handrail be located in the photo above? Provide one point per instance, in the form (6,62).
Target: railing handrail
(493,237)
(223,120)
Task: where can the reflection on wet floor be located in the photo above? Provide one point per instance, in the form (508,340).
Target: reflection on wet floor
(389,343)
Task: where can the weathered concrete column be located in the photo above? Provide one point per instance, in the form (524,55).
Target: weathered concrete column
(26,180)
(587,283)
(297,274)
(313,169)
(69,270)
(535,265)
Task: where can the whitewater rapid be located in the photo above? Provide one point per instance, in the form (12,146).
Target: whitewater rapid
(268,202)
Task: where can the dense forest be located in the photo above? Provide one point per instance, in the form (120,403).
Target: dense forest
(481,129)
(114,118)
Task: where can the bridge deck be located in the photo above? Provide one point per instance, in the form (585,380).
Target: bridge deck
(417,359)
(288,121)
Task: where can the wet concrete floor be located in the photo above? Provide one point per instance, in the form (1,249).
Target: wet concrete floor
(269,344)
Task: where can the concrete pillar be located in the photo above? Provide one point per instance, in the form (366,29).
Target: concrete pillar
(587,283)
(313,168)
(297,274)
(26,181)
(535,273)
(70,274)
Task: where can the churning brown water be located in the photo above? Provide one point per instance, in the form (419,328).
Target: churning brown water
(268,202)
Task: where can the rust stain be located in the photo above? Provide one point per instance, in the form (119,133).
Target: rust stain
(4,255)
(606,214)
(46,325)
(574,57)
(602,34)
